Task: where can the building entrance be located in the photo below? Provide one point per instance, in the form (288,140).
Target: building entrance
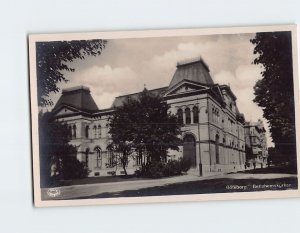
(189,149)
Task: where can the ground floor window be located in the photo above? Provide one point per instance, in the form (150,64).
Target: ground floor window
(98,157)
(110,159)
(139,159)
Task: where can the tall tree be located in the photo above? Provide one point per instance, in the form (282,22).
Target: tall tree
(57,157)
(144,125)
(274,92)
(53,58)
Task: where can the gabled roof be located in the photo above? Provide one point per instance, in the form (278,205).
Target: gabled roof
(118,102)
(194,70)
(78,97)
(192,86)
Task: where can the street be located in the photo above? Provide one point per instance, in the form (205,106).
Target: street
(186,184)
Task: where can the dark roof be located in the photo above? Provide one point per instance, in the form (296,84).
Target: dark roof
(194,70)
(121,99)
(79,98)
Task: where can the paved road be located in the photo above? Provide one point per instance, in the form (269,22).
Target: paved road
(77,191)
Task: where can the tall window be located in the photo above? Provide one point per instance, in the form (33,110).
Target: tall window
(123,160)
(196,114)
(139,158)
(217,150)
(74,131)
(110,159)
(95,131)
(99,131)
(180,116)
(87,128)
(98,157)
(70,131)
(187,116)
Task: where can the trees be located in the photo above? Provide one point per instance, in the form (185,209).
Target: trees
(52,60)
(57,157)
(144,125)
(274,92)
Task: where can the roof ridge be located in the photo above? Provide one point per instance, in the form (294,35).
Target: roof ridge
(141,91)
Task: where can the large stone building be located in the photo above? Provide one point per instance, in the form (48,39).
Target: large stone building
(256,144)
(212,131)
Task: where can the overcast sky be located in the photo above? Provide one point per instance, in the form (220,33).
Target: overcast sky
(126,65)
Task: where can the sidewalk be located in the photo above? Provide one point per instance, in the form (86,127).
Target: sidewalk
(77,191)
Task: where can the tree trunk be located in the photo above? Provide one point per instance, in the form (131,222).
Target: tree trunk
(124,162)
(124,168)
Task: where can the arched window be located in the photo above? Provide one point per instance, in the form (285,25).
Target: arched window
(98,157)
(180,116)
(74,131)
(187,116)
(217,149)
(99,131)
(196,114)
(87,128)
(224,142)
(95,131)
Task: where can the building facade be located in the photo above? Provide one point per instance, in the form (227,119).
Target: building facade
(212,132)
(256,144)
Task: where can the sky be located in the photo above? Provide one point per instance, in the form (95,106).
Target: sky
(128,65)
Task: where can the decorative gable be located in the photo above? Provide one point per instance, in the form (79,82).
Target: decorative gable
(64,111)
(185,87)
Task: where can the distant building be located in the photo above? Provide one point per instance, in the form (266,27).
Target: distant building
(213,127)
(256,143)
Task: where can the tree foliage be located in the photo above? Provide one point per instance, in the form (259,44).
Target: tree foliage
(144,125)
(274,92)
(52,60)
(57,157)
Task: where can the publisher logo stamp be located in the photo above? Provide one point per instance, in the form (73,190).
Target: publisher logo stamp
(53,192)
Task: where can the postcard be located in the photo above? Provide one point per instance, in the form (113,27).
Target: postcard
(164,115)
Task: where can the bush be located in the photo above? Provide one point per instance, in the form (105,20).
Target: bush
(73,169)
(158,169)
(185,164)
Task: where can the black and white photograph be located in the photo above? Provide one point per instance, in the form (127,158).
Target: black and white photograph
(164,115)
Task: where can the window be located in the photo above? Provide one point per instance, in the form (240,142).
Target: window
(110,159)
(87,128)
(121,160)
(98,157)
(217,150)
(95,131)
(70,131)
(139,158)
(99,131)
(74,131)
(196,114)
(180,116)
(187,116)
